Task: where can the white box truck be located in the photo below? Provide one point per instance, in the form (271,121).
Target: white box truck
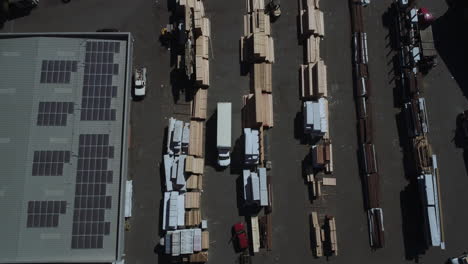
(224,134)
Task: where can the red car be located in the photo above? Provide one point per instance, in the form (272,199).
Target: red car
(241,236)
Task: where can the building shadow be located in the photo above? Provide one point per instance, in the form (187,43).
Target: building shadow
(211,152)
(412,222)
(451,47)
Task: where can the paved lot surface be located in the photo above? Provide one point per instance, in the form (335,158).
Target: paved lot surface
(291,242)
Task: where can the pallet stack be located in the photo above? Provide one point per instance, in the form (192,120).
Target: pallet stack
(314,99)
(257,51)
(257,55)
(424,162)
(188,240)
(362,86)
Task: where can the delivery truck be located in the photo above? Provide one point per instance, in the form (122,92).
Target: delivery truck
(223,137)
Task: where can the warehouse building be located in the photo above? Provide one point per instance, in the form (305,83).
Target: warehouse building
(64,110)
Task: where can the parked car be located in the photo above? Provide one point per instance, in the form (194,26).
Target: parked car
(139,82)
(241,236)
(463,259)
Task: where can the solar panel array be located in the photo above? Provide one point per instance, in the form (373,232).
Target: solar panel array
(91,201)
(98,89)
(45,213)
(49,162)
(54,113)
(57,71)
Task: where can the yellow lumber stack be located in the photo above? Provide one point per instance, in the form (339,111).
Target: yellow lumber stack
(192,200)
(262,77)
(200,257)
(195,182)
(205,240)
(196,138)
(313,80)
(200,104)
(192,218)
(317,235)
(194,165)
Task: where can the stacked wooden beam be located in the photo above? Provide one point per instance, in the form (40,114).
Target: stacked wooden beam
(317,235)
(196,144)
(332,234)
(194,165)
(313,80)
(192,218)
(202,33)
(362,87)
(257,49)
(195,182)
(192,200)
(322,156)
(311,19)
(199,104)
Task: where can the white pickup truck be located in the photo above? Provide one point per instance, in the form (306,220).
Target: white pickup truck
(139,82)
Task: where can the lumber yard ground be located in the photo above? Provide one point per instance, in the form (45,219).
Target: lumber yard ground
(445,93)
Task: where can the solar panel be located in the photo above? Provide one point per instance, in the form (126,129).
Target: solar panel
(90,191)
(97,82)
(57,71)
(54,113)
(44,213)
(49,163)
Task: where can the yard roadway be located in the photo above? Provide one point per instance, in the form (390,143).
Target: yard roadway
(291,243)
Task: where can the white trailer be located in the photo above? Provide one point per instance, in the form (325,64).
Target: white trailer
(224,134)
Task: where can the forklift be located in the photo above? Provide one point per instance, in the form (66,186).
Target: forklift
(274,9)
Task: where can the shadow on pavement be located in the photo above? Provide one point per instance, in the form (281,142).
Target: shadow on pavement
(451,47)
(412,227)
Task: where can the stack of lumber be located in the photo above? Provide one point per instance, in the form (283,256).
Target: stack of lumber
(332,234)
(311,17)
(202,33)
(192,200)
(261,77)
(196,138)
(192,218)
(200,257)
(312,50)
(257,44)
(195,182)
(194,165)
(322,157)
(422,154)
(205,240)
(253,5)
(199,104)
(317,235)
(314,80)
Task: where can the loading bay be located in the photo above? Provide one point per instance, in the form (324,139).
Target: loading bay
(445,93)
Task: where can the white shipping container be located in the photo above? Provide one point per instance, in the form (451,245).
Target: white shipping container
(175,241)
(173,199)
(186,241)
(181,170)
(165,209)
(168,161)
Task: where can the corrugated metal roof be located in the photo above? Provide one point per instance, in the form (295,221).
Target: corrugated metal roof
(26,128)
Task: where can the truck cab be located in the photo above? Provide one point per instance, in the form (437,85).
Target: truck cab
(463,259)
(223,137)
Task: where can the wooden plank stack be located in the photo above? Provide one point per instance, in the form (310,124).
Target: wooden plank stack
(192,218)
(192,200)
(196,144)
(311,19)
(317,235)
(195,182)
(199,104)
(331,223)
(202,33)
(258,51)
(313,80)
(322,156)
(194,165)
